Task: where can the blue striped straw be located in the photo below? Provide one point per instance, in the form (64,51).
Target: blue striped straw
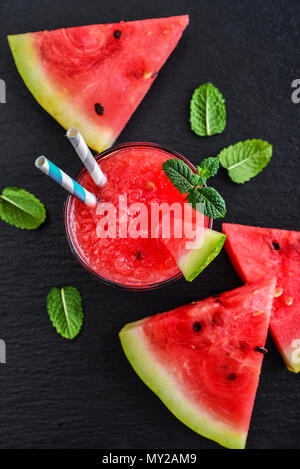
(86,156)
(55,173)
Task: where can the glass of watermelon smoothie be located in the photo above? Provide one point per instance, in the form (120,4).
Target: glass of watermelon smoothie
(134,171)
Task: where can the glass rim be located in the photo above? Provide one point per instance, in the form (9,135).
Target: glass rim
(74,250)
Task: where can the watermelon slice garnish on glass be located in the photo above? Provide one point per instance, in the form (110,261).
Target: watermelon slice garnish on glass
(193,260)
(256,253)
(203,360)
(197,245)
(94,77)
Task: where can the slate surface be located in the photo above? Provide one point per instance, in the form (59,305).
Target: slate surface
(83,393)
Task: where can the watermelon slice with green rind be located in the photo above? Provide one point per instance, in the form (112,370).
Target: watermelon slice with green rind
(201,361)
(193,255)
(94,77)
(257,253)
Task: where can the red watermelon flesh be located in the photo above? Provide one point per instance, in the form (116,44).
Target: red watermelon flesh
(94,77)
(257,253)
(201,361)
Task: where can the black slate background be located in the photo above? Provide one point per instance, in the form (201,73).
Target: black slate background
(83,394)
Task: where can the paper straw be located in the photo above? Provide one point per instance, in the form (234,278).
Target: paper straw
(86,156)
(55,173)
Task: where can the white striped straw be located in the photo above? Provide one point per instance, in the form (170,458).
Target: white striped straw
(55,173)
(86,156)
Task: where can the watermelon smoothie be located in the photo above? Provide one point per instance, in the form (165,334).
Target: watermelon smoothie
(133,171)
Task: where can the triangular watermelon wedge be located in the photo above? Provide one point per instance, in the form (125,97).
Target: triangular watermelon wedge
(94,77)
(192,260)
(256,253)
(191,243)
(201,361)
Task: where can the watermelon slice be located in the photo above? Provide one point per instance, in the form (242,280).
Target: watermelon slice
(94,77)
(201,361)
(257,253)
(192,261)
(194,253)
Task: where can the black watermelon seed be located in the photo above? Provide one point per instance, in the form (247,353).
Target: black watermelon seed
(154,74)
(231,377)
(139,255)
(197,326)
(276,246)
(117,34)
(262,350)
(99,109)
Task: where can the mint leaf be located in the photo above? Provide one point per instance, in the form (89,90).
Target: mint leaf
(198,180)
(65,311)
(208,200)
(21,208)
(207,111)
(204,199)
(244,160)
(209,167)
(180,174)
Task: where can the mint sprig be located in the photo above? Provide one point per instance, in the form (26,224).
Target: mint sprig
(65,311)
(202,198)
(22,209)
(208,200)
(244,160)
(209,167)
(181,175)
(207,111)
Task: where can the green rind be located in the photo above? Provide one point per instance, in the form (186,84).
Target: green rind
(162,384)
(287,355)
(55,101)
(287,352)
(293,370)
(198,259)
